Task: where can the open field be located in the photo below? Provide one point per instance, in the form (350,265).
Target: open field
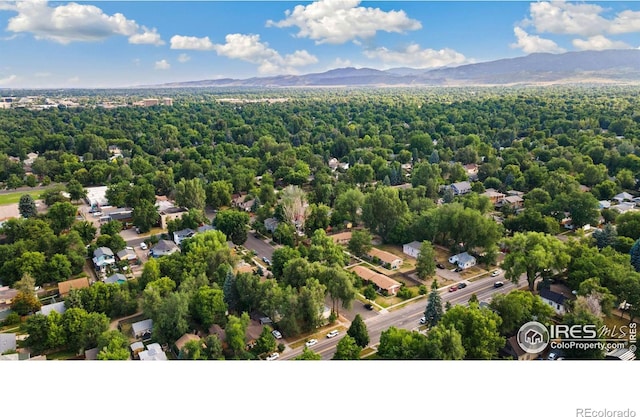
(13,198)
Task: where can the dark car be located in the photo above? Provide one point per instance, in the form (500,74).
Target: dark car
(462,285)
(498,284)
(458,269)
(368,306)
(440,266)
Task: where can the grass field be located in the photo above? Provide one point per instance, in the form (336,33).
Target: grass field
(13,198)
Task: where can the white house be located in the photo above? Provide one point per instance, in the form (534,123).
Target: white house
(412,249)
(460,188)
(183,234)
(555,299)
(463,260)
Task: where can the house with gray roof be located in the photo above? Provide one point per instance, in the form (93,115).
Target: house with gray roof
(205,228)
(412,249)
(102,257)
(115,279)
(460,188)
(463,260)
(164,248)
(153,353)
(128,255)
(57,307)
(183,234)
(142,328)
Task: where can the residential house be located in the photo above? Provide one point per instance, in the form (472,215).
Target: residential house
(154,352)
(624,196)
(205,228)
(555,299)
(271,224)
(179,344)
(91,354)
(142,329)
(333,164)
(243,268)
(341,238)
(116,279)
(343,166)
(171,213)
(383,282)
(7,342)
(122,215)
(183,234)
(604,204)
(103,257)
(513,349)
(219,332)
(254,330)
(463,260)
(136,348)
(393,261)
(65,287)
(164,248)
(114,150)
(412,249)
(493,195)
(472,171)
(460,188)
(514,201)
(621,354)
(57,307)
(128,255)
(624,207)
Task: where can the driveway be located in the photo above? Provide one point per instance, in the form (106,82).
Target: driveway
(262,248)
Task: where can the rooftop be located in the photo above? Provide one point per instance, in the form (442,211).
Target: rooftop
(382,281)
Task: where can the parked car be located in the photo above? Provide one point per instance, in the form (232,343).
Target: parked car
(273,356)
(368,306)
(332,333)
(266,261)
(462,285)
(440,266)
(458,269)
(276,334)
(495,273)
(143,246)
(552,356)
(311,342)
(498,284)
(453,288)
(423,320)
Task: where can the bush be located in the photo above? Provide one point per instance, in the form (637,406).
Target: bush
(423,289)
(12,318)
(281,347)
(405,293)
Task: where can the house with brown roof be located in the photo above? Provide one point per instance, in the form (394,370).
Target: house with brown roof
(392,260)
(493,195)
(383,282)
(65,287)
(180,343)
(512,348)
(341,238)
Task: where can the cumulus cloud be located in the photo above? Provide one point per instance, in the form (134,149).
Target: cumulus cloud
(183,58)
(191,43)
(248,48)
(627,21)
(532,43)
(598,43)
(414,56)
(340,21)
(75,22)
(162,65)
(8,80)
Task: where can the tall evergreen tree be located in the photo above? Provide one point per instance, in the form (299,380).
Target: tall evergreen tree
(433,312)
(635,255)
(358,330)
(230,291)
(27,206)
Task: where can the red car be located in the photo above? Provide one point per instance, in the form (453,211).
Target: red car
(453,288)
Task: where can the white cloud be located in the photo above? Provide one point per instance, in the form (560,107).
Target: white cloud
(598,43)
(147,37)
(74,22)
(73,80)
(249,48)
(532,43)
(191,42)
(162,65)
(625,22)
(183,58)
(340,21)
(341,63)
(8,80)
(414,56)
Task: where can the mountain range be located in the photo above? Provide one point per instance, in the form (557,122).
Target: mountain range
(609,66)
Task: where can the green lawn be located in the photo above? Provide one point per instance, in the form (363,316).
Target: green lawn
(13,198)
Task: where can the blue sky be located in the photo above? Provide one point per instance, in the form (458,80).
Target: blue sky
(127,43)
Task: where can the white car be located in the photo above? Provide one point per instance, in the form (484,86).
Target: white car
(332,333)
(423,320)
(311,342)
(496,273)
(273,356)
(276,334)
(143,246)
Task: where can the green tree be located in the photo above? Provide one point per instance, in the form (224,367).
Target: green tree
(233,224)
(340,287)
(445,343)
(208,307)
(280,258)
(369,292)
(382,211)
(113,346)
(360,242)
(145,215)
(192,350)
(347,349)
(628,225)
(59,268)
(25,303)
(433,311)
(519,307)
(235,333)
(171,318)
(347,206)
(635,255)
(358,330)
(76,190)
(308,355)
(218,194)
(426,264)
(479,329)
(317,218)
(402,344)
(266,342)
(606,236)
(86,230)
(27,206)
(190,194)
(61,216)
(584,312)
(230,291)
(533,253)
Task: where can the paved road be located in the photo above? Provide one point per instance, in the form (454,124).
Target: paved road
(36,188)
(409,316)
(262,248)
